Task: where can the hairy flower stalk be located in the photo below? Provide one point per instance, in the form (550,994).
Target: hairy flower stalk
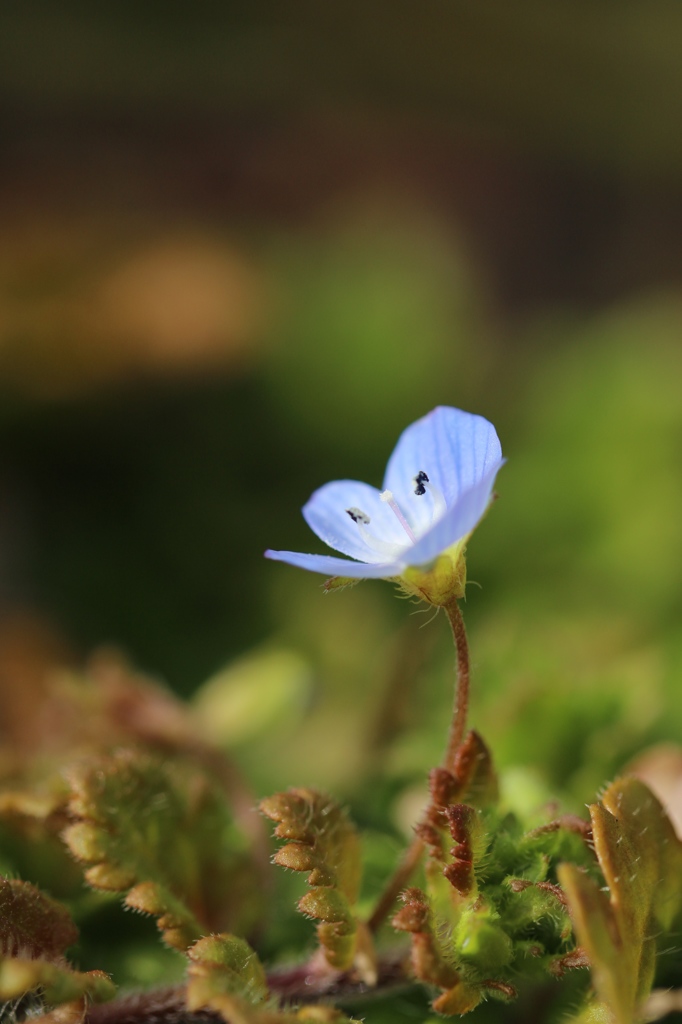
(413,854)
(437,487)
(461,704)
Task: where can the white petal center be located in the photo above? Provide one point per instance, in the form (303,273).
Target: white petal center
(385,548)
(389,549)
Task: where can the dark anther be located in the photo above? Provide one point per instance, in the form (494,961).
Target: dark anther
(358,516)
(420,479)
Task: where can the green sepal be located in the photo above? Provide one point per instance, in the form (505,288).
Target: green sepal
(339,583)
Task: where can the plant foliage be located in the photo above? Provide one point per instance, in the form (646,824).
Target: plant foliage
(509,900)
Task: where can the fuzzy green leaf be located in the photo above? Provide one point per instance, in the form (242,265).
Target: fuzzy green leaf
(161,831)
(178,926)
(234,1010)
(429,962)
(58,982)
(494,911)
(226,976)
(641,860)
(322,841)
(223,966)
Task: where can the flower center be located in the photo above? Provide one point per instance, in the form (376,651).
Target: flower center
(382,547)
(388,549)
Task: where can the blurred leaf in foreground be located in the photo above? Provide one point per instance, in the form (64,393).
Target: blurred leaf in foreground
(253,696)
(163,832)
(35,932)
(641,859)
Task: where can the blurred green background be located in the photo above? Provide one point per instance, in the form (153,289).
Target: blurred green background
(243,246)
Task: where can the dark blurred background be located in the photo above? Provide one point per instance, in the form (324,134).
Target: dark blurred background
(243,245)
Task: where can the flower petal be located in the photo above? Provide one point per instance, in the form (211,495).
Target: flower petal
(458,521)
(456,449)
(331,566)
(325,513)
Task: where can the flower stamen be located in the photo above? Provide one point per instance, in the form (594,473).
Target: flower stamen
(387,496)
(419,481)
(362,521)
(422,484)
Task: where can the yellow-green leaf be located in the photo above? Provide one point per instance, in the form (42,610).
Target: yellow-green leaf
(58,982)
(226,976)
(162,830)
(641,860)
(322,841)
(222,967)
(429,962)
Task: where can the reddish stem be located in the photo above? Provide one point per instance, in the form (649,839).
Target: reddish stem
(461,703)
(414,851)
(299,983)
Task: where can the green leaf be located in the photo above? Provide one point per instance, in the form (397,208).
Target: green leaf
(223,966)
(641,860)
(226,976)
(494,912)
(162,831)
(265,690)
(58,982)
(322,841)
(178,926)
(234,1010)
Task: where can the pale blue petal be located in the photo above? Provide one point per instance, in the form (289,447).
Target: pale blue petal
(457,522)
(330,566)
(457,450)
(326,515)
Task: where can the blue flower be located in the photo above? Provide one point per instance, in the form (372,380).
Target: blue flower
(437,487)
